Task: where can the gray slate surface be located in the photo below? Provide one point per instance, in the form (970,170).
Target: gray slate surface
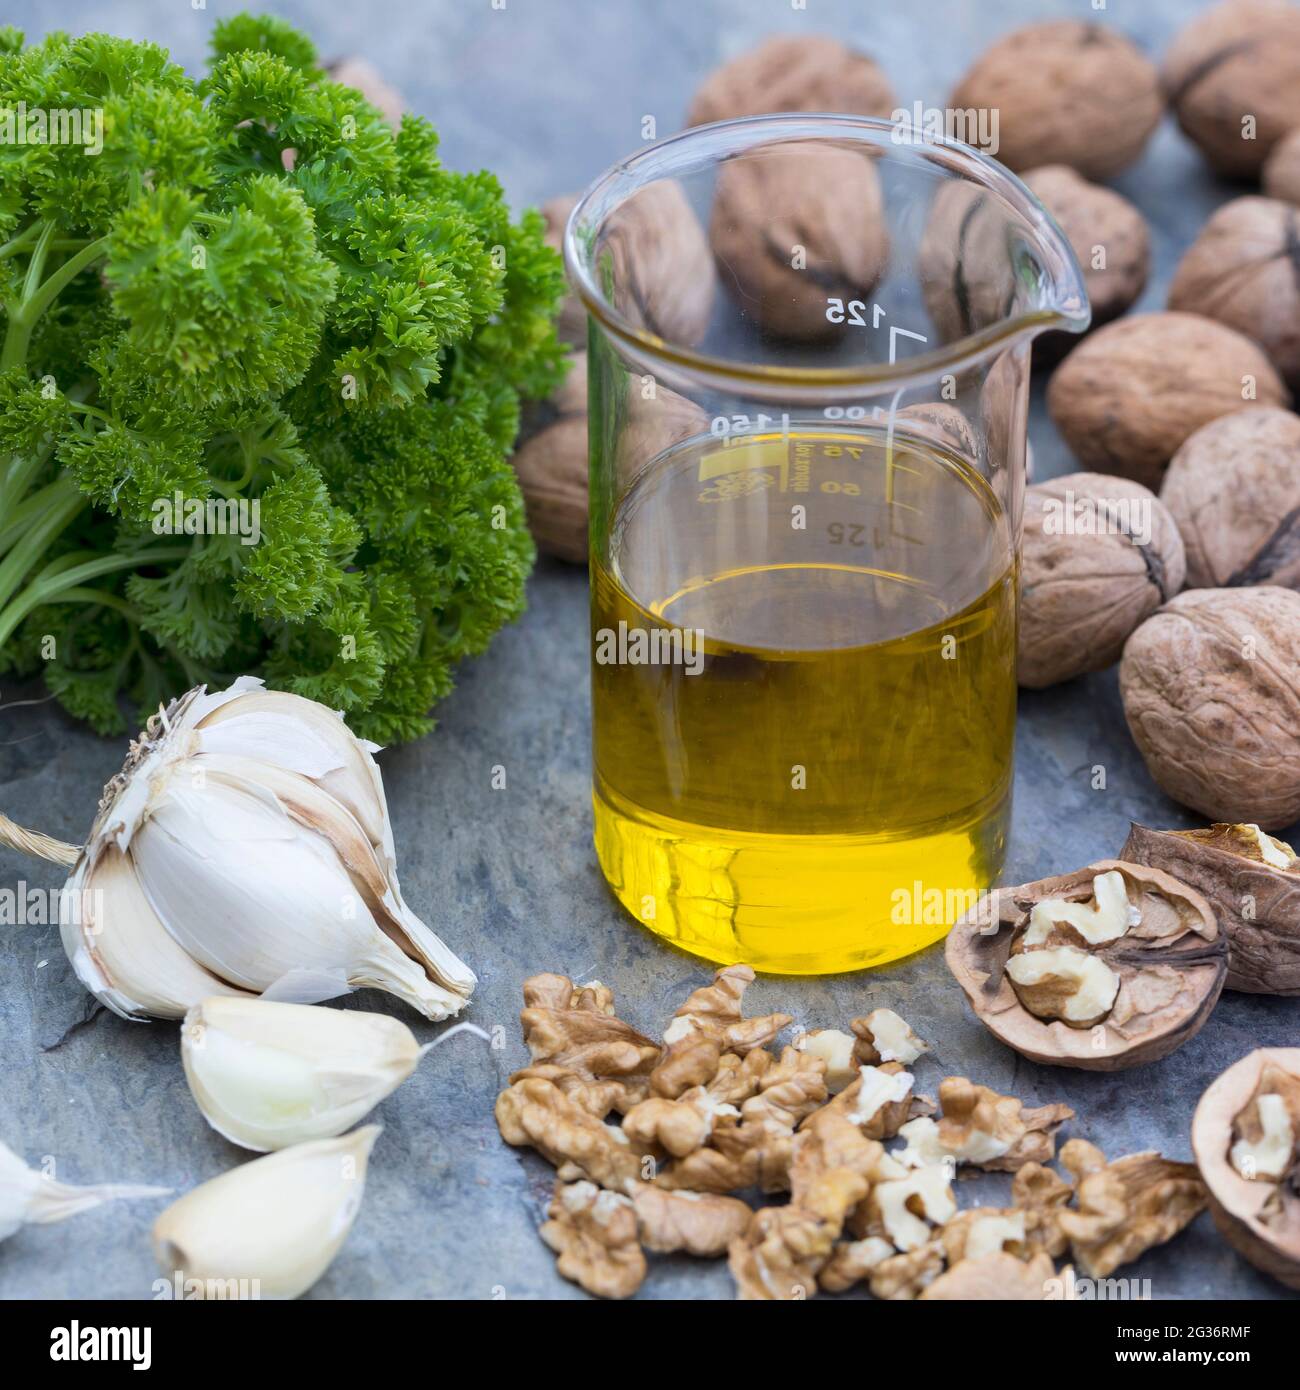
(547,94)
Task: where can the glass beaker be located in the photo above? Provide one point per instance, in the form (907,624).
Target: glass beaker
(809,345)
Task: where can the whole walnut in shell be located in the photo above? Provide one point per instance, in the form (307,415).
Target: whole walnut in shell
(1282,169)
(363,77)
(1211,690)
(1234,490)
(1067,92)
(551,462)
(966,276)
(794,73)
(962,261)
(793,225)
(1107,233)
(653,421)
(1244,270)
(1232,77)
(1132,392)
(655,254)
(1253,883)
(572,323)
(1109,967)
(551,465)
(1100,555)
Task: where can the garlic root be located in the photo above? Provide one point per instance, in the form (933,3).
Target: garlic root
(29,1198)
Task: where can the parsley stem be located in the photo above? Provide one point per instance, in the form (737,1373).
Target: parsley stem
(20,243)
(32,544)
(36,266)
(35,303)
(47,586)
(14,522)
(102,598)
(14,481)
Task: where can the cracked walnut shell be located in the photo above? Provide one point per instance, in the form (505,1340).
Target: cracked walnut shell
(1067,92)
(1232,77)
(1253,883)
(1129,395)
(1258,1216)
(1100,554)
(1234,491)
(1211,691)
(1108,967)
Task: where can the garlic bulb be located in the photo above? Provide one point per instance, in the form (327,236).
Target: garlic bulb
(267,1075)
(28,1197)
(269,1228)
(246,845)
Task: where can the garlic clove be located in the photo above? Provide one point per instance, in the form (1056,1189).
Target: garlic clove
(29,1198)
(253,895)
(119,949)
(271,1226)
(296,735)
(310,805)
(267,1075)
(299,735)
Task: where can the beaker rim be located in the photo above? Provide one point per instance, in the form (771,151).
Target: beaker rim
(1068,309)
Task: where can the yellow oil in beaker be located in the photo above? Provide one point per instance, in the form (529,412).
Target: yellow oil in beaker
(804,761)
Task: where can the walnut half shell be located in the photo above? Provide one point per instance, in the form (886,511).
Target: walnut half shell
(1253,883)
(1260,1219)
(1119,964)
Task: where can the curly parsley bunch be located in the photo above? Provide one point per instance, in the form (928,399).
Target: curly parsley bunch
(254,292)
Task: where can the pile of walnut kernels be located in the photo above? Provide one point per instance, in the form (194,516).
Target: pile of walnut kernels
(713,1110)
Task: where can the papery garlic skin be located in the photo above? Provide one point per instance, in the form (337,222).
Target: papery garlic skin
(267,1075)
(29,1198)
(247,842)
(271,1226)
